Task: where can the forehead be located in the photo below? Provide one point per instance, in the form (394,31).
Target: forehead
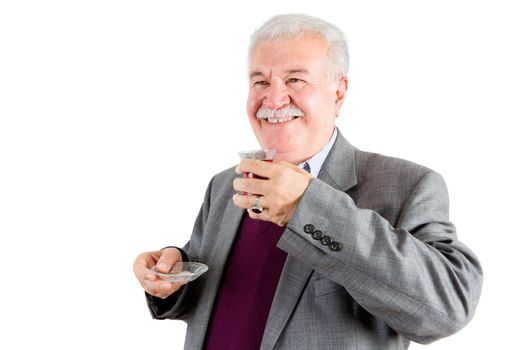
(307,53)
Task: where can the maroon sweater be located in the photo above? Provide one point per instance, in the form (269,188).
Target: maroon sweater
(247,288)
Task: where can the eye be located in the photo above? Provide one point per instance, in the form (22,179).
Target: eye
(294,81)
(260,83)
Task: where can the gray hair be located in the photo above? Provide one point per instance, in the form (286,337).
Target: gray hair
(294,25)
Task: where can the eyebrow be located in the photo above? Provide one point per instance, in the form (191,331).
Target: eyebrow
(256,74)
(293,71)
(290,71)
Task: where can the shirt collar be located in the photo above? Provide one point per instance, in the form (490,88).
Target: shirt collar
(317,161)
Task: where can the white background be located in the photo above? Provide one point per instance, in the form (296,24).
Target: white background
(114,115)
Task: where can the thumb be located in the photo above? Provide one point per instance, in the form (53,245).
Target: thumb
(167,259)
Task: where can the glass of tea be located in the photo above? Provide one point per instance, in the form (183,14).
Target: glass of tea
(261,154)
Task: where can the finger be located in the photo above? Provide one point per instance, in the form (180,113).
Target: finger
(157,287)
(257,167)
(247,185)
(143,263)
(144,274)
(161,289)
(246,202)
(150,276)
(167,259)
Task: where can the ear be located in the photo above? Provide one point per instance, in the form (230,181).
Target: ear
(340,93)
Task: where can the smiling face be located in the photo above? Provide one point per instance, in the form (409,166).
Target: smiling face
(293,100)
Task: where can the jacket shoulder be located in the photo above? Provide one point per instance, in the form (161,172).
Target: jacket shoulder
(385,184)
(396,171)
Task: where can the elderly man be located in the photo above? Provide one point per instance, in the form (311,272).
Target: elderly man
(328,247)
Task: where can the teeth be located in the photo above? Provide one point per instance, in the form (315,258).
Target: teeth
(279,120)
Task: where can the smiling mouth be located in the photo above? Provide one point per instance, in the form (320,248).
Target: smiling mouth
(279,116)
(277,120)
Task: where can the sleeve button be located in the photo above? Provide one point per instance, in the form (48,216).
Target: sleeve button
(326,240)
(317,235)
(309,228)
(335,246)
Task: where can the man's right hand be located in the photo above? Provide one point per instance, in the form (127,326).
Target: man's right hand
(164,260)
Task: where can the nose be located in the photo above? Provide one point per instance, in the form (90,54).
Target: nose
(277,96)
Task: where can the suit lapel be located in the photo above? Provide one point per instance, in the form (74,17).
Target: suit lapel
(339,172)
(217,251)
(289,290)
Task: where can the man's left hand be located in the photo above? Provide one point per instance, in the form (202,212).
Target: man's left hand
(279,189)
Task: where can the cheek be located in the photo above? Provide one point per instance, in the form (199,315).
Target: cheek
(322,105)
(252,104)
(310,104)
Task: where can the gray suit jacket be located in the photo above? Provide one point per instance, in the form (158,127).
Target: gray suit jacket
(401,273)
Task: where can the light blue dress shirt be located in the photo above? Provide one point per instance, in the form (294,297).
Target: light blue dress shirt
(316,162)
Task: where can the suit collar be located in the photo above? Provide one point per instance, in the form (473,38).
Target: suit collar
(339,169)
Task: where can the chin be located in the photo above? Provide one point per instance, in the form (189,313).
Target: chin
(282,149)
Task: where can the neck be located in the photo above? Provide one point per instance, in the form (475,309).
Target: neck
(296,158)
(293,157)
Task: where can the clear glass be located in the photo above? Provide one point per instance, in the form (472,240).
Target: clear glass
(182,272)
(261,154)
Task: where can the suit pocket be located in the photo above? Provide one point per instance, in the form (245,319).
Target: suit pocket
(326,287)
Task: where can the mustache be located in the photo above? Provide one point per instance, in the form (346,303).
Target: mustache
(289,111)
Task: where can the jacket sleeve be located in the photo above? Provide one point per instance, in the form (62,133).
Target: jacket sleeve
(177,305)
(416,276)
